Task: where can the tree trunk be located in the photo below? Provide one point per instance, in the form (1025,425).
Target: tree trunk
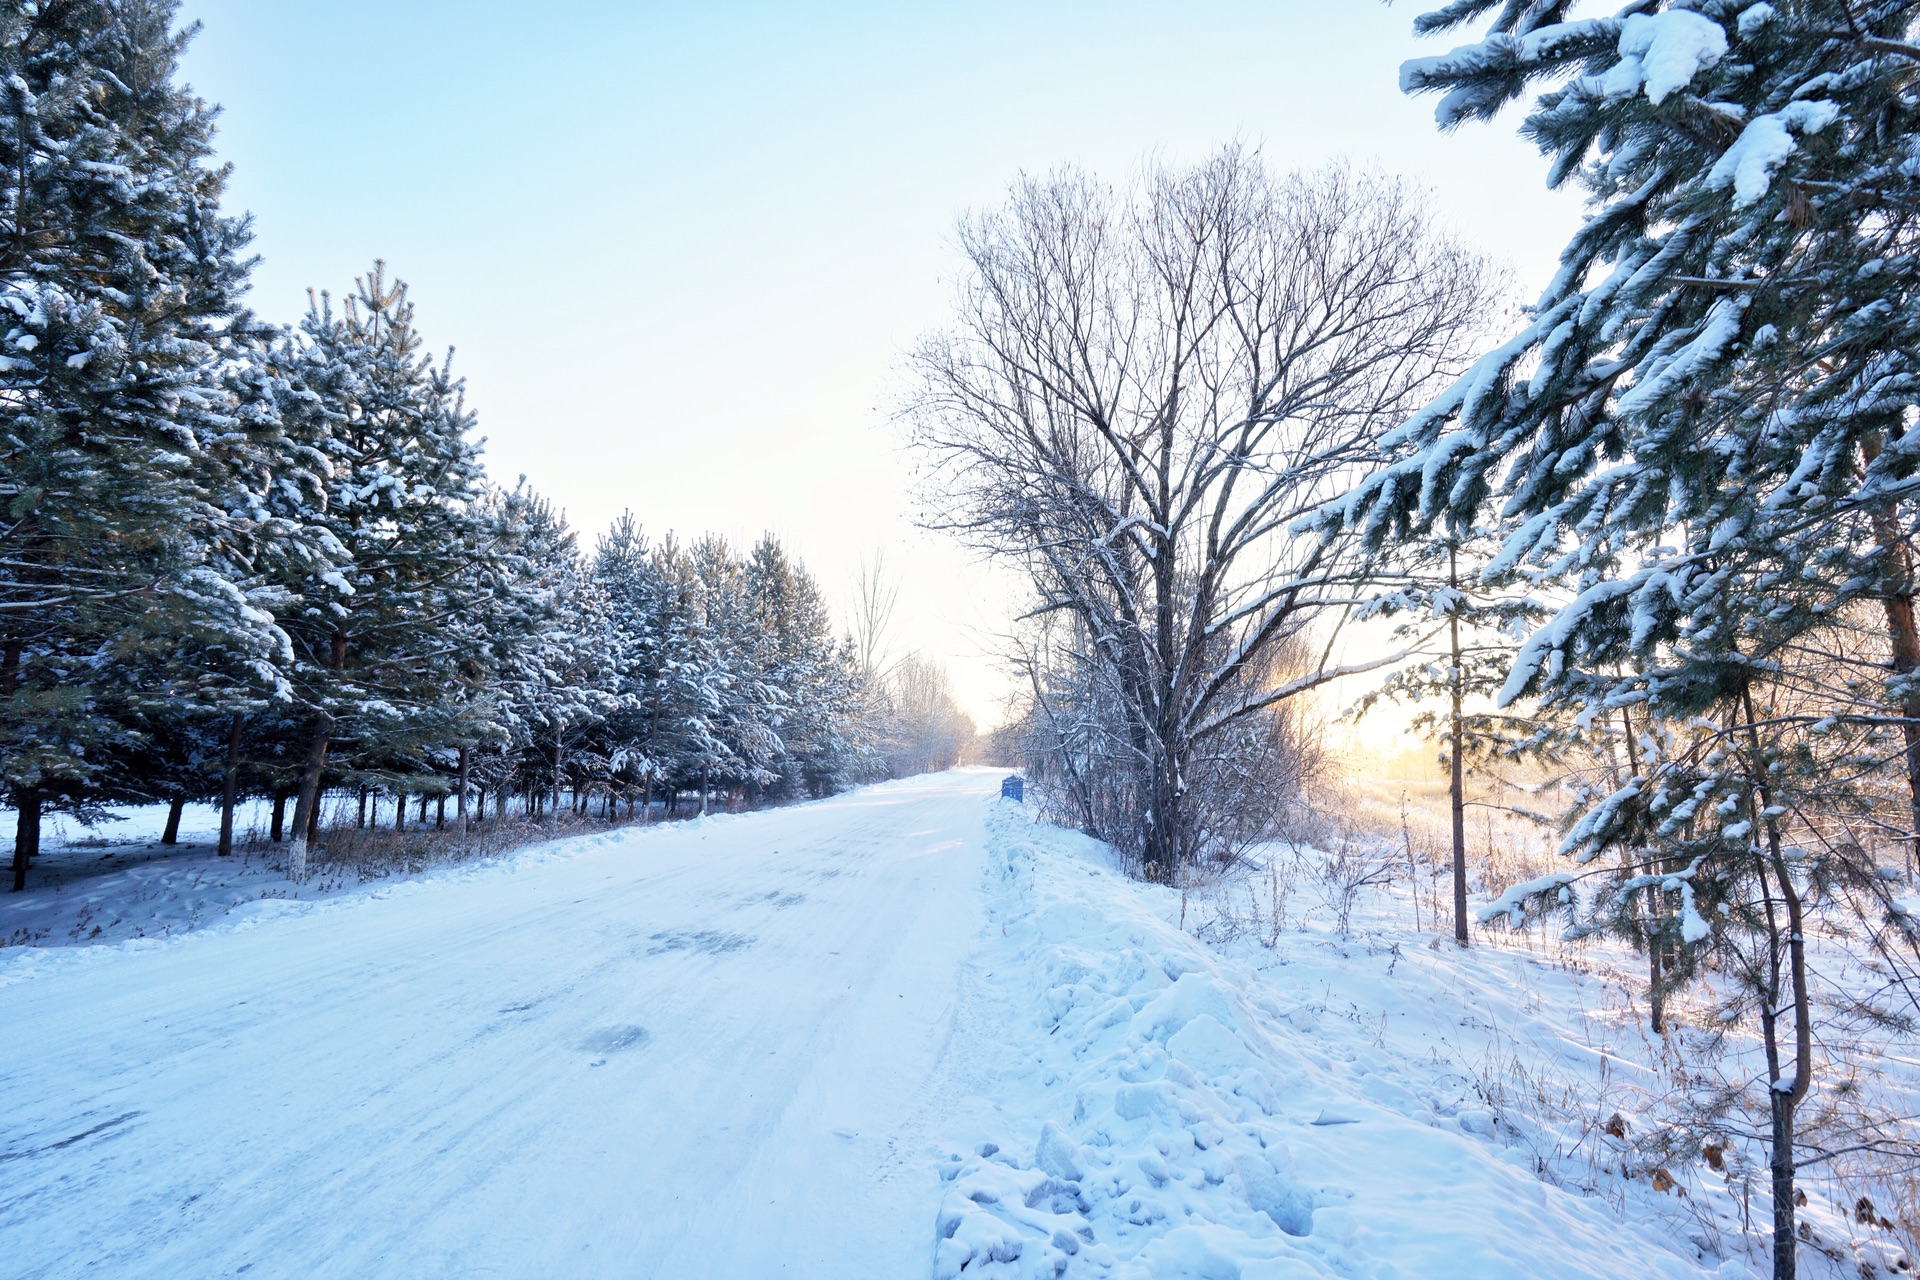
(229,787)
(26,830)
(1161,853)
(26,835)
(171,834)
(440,813)
(460,808)
(1656,967)
(553,820)
(1904,640)
(1784,1093)
(1786,1244)
(1906,663)
(1656,999)
(400,812)
(361,820)
(306,814)
(279,825)
(1457,792)
(646,802)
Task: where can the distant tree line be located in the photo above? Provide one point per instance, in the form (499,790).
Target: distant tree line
(243,561)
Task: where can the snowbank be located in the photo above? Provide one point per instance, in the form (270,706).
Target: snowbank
(1187,1117)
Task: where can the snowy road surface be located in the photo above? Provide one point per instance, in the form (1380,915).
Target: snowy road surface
(695,1051)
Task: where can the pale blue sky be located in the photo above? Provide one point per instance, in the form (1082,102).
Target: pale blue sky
(681,247)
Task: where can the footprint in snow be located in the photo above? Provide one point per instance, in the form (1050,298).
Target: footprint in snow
(705,940)
(615,1039)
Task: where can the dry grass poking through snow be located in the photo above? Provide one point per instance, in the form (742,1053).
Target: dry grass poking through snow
(1548,1039)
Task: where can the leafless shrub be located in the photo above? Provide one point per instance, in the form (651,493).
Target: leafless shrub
(1339,875)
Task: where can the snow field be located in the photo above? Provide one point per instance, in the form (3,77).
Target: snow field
(1186,1117)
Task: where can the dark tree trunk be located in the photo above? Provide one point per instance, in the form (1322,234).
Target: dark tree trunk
(1786,1242)
(1656,995)
(361,820)
(1786,994)
(279,826)
(400,812)
(440,814)
(306,814)
(1457,790)
(26,835)
(460,810)
(171,834)
(26,829)
(229,787)
(1163,851)
(1906,663)
(306,809)
(1656,960)
(1904,639)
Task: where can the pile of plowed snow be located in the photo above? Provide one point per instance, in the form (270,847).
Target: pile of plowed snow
(1190,1118)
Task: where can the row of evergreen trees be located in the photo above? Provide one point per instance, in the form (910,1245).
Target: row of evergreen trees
(239,560)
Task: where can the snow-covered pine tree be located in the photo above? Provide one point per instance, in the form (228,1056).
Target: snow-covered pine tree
(381,662)
(134,453)
(737,740)
(640,602)
(1704,437)
(676,673)
(796,653)
(559,681)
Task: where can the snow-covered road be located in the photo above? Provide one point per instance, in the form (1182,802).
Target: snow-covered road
(706,1050)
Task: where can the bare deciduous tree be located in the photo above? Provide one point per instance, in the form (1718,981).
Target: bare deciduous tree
(1142,391)
(875,596)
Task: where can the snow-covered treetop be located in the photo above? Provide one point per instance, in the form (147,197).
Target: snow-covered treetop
(1724,361)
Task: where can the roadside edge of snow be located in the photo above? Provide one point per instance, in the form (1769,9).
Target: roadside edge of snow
(1185,1127)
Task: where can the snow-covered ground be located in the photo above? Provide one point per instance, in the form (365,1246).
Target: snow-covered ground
(900,1033)
(115,880)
